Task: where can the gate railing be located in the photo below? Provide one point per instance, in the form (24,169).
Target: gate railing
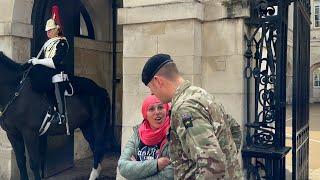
(266,56)
(300,98)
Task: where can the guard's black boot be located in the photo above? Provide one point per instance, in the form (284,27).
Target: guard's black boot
(59,89)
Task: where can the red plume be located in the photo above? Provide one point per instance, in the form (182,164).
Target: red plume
(56,15)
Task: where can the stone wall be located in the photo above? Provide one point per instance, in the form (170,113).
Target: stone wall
(204,40)
(93,61)
(100,12)
(223,63)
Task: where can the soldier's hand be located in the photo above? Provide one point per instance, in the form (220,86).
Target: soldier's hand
(163,162)
(33,61)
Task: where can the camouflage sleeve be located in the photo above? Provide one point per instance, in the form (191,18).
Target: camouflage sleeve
(234,127)
(200,143)
(235,131)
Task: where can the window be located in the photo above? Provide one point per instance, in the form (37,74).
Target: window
(316,78)
(316,13)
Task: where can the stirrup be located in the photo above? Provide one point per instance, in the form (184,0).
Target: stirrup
(58,118)
(62,118)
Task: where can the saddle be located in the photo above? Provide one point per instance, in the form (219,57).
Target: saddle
(77,86)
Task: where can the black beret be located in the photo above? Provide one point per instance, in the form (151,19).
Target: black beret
(153,65)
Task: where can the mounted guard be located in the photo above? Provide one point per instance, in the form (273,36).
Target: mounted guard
(28,90)
(52,68)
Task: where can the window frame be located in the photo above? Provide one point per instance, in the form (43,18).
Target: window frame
(316,16)
(316,78)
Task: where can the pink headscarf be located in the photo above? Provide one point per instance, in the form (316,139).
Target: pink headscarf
(147,135)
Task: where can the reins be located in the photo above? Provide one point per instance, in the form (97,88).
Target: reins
(24,77)
(17,92)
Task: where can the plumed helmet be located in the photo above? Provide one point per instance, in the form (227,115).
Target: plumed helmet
(54,22)
(51,25)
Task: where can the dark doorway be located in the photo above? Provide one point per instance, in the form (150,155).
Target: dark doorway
(57,151)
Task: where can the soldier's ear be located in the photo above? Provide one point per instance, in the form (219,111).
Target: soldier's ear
(159,80)
(156,80)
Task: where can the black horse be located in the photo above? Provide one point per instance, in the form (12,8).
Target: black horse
(23,110)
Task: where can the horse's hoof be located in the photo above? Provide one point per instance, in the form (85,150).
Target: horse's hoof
(95,173)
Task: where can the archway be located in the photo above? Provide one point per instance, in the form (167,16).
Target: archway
(86,26)
(315,83)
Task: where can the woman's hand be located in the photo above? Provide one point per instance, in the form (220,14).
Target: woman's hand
(163,162)
(133,158)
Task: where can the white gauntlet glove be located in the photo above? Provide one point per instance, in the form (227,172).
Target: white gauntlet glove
(46,62)
(32,59)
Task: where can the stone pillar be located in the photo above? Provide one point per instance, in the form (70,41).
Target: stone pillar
(205,38)
(223,49)
(148,30)
(151,27)
(15,29)
(15,34)
(223,55)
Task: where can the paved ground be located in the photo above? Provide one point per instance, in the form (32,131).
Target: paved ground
(314,141)
(82,169)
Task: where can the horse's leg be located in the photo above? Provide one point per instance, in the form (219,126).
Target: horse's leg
(88,135)
(17,143)
(101,116)
(98,134)
(32,141)
(95,140)
(87,132)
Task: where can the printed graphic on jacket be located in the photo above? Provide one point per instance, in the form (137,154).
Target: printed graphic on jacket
(147,152)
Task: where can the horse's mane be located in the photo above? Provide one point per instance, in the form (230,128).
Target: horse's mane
(9,62)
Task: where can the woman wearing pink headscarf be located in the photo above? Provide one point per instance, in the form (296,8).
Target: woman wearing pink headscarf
(146,154)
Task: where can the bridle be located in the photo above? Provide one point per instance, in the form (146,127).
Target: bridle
(17,92)
(20,86)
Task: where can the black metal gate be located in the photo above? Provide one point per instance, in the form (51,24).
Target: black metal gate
(264,150)
(300,99)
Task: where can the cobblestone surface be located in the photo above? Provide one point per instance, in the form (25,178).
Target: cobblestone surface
(82,169)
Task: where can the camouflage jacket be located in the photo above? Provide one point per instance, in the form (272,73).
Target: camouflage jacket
(201,142)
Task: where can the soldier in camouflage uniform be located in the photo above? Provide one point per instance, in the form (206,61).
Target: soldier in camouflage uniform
(204,139)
